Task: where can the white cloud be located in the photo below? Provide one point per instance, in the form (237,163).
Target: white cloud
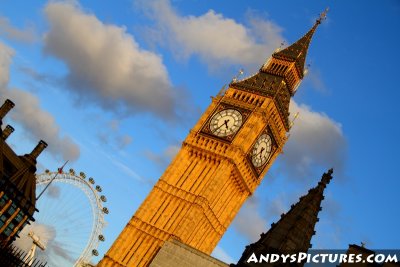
(123,141)
(46,234)
(315,141)
(54,191)
(106,64)
(111,136)
(315,80)
(261,214)
(62,250)
(38,123)
(258,223)
(27,34)
(163,159)
(214,38)
(279,205)
(6,54)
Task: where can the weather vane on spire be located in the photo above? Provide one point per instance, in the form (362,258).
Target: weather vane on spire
(322,16)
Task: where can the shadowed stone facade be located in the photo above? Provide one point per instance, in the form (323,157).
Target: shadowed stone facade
(293,232)
(17,184)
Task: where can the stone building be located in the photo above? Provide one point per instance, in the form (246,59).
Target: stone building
(291,234)
(17,184)
(222,161)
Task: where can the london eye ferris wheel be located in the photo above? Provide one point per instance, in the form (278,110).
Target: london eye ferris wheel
(70,220)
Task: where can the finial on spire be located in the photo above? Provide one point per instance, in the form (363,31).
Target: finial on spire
(237,75)
(322,16)
(326,177)
(294,118)
(5,108)
(7,131)
(222,91)
(38,149)
(280,47)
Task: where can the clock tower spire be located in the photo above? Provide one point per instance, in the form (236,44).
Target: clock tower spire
(221,163)
(281,75)
(297,52)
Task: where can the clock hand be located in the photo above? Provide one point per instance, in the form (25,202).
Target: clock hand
(226,123)
(262,149)
(259,153)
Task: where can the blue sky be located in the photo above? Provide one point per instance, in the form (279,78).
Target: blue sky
(115,87)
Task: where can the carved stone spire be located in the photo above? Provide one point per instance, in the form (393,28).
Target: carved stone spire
(280,76)
(297,52)
(293,232)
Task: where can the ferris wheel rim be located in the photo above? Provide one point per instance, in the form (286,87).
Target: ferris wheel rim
(95,201)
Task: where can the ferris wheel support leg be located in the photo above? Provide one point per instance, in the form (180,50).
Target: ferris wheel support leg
(31,254)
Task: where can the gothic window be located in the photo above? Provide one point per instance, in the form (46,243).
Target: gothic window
(3,200)
(12,209)
(8,231)
(19,217)
(3,219)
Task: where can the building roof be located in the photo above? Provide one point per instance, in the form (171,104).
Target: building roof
(18,178)
(279,77)
(297,52)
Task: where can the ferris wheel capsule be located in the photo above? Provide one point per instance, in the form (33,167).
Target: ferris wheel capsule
(82,174)
(72,171)
(105,210)
(47,171)
(98,188)
(91,180)
(101,238)
(103,198)
(95,252)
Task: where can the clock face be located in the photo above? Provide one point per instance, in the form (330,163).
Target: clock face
(261,150)
(226,122)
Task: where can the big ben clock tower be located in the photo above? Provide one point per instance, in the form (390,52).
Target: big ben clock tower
(221,163)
